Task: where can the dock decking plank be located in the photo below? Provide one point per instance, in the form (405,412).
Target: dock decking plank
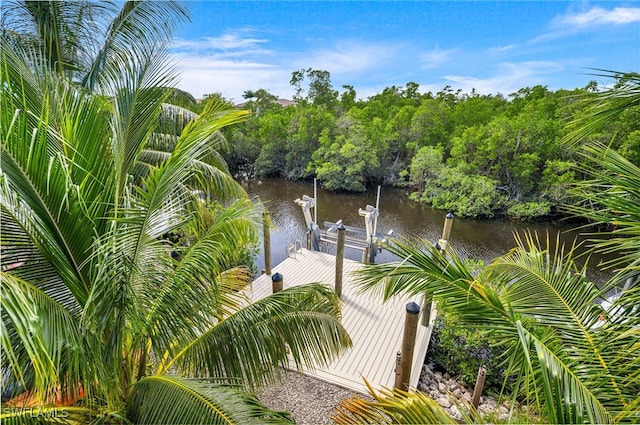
(375,328)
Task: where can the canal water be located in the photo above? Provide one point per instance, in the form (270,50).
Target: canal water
(477,239)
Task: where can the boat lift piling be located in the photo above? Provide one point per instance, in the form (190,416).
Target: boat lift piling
(362,239)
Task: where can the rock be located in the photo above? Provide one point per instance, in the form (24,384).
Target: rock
(422,387)
(484,408)
(444,402)
(442,388)
(455,413)
(457,392)
(435,394)
(427,372)
(447,376)
(467,396)
(453,386)
(490,403)
(438,376)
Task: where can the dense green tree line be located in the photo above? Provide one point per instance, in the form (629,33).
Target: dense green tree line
(476,155)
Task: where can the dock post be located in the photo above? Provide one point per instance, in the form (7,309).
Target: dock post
(398,381)
(266,236)
(442,246)
(446,231)
(277,282)
(426,310)
(339,259)
(477,391)
(372,252)
(408,344)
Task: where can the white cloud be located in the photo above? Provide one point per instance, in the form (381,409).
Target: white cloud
(509,78)
(601,16)
(596,17)
(202,75)
(229,64)
(237,61)
(435,58)
(502,49)
(346,57)
(224,42)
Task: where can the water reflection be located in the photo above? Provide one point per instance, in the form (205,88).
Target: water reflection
(478,239)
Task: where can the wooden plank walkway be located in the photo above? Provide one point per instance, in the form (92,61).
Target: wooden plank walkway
(375,328)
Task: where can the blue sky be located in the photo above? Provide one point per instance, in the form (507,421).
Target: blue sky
(492,46)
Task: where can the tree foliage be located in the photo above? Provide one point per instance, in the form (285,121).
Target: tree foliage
(501,156)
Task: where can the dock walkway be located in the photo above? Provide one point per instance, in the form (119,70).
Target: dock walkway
(375,328)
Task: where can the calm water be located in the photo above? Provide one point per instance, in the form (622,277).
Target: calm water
(478,239)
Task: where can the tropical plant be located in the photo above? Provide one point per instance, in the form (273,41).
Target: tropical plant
(85,41)
(611,195)
(99,323)
(570,357)
(391,407)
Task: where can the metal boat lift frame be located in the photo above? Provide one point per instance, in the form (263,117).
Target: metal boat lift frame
(368,244)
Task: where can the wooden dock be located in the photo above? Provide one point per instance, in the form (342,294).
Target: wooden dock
(375,328)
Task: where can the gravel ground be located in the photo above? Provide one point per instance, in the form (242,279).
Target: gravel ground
(309,400)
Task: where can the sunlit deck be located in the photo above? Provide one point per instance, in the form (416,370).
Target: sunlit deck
(375,328)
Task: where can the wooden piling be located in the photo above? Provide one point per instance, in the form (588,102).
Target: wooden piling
(408,344)
(277,282)
(477,391)
(339,259)
(446,232)
(448,222)
(426,310)
(398,380)
(266,235)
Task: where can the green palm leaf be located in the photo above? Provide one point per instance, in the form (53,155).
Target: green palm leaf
(392,407)
(611,197)
(171,400)
(138,28)
(544,310)
(300,323)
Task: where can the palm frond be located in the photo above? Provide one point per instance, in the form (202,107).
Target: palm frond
(21,197)
(392,407)
(543,308)
(23,337)
(300,324)
(424,270)
(137,29)
(611,198)
(605,105)
(166,399)
(567,398)
(201,283)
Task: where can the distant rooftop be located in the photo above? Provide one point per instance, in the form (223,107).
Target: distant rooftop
(281,102)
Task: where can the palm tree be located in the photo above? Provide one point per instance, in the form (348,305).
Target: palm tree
(570,357)
(99,322)
(84,40)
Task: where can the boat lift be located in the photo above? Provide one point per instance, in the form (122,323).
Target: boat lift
(362,239)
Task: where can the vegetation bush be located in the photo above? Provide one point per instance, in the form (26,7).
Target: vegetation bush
(464,195)
(461,350)
(529,211)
